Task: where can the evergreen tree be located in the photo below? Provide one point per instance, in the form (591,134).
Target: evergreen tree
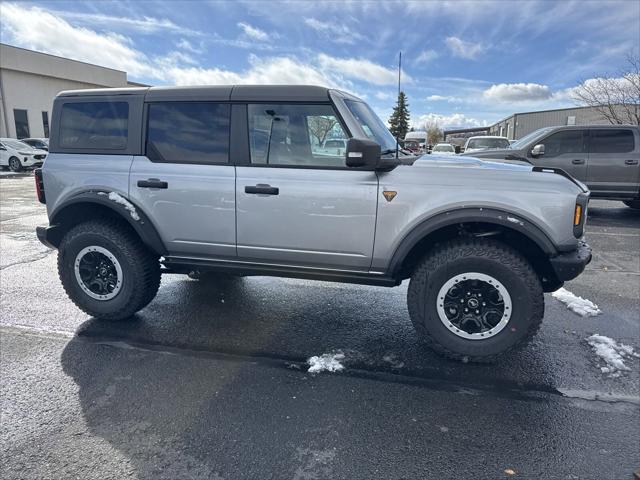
(399,120)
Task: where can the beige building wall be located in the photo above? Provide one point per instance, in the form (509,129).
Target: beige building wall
(30,80)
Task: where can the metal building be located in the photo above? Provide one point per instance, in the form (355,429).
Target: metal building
(520,124)
(30,80)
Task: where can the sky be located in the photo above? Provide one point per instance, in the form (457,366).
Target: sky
(465,63)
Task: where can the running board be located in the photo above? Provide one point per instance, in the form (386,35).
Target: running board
(186,265)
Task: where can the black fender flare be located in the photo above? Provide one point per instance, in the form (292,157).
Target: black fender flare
(142,225)
(494,216)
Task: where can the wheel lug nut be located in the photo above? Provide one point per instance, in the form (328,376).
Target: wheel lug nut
(466,310)
(477,311)
(484,304)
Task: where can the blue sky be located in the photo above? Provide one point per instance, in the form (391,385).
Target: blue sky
(464,63)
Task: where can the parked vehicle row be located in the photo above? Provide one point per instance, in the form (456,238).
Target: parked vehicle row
(229,180)
(18,155)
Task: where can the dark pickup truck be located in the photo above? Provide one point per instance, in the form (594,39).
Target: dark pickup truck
(605,157)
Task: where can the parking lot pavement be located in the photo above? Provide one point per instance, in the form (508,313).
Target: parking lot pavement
(200,382)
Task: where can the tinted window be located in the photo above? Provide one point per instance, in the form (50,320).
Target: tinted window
(307,135)
(371,124)
(188,132)
(94,125)
(567,141)
(611,141)
(22,123)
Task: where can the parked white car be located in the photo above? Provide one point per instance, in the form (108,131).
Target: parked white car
(485,142)
(444,149)
(18,155)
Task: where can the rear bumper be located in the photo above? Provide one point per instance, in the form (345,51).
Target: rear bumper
(49,236)
(569,265)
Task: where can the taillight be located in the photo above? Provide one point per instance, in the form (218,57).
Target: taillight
(39,185)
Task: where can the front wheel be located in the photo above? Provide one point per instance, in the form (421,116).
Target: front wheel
(106,270)
(15,165)
(475,299)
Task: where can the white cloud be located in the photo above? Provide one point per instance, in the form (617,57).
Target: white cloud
(336,32)
(456,120)
(384,96)
(361,69)
(443,98)
(426,56)
(463,49)
(253,32)
(187,45)
(517,92)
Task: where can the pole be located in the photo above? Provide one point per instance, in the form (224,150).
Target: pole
(399,72)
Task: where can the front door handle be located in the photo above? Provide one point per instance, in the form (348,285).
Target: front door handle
(262,189)
(152,183)
(578,161)
(631,162)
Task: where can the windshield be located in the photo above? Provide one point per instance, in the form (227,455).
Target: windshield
(443,148)
(371,124)
(541,132)
(16,144)
(488,143)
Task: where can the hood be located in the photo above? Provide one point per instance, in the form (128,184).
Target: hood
(458,161)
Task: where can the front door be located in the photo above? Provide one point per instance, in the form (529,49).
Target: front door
(297,203)
(565,149)
(185,183)
(614,158)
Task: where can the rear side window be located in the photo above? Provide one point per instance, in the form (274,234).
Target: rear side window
(188,132)
(94,125)
(612,141)
(563,142)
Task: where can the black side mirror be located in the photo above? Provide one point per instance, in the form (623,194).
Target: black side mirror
(362,153)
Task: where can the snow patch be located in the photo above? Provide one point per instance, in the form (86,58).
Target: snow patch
(579,305)
(327,361)
(515,220)
(613,354)
(116,197)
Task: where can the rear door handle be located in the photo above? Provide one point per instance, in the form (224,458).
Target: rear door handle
(631,162)
(152,183)
(262,189)
(578,161)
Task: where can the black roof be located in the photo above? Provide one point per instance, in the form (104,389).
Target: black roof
(248,93)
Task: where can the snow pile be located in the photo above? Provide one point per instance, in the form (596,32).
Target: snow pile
(612,353)
(579,305)
(116,197)
(327,361)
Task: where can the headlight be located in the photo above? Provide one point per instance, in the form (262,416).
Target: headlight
(25,153)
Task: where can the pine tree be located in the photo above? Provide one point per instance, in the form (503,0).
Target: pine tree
(399,120)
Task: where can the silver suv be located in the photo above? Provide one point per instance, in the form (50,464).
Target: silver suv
(238,180)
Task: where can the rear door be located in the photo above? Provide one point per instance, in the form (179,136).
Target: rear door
(4,155)
(297,202)
(567,150)
(185,182)
(614,158)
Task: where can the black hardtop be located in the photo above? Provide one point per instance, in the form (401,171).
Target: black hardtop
(240,93)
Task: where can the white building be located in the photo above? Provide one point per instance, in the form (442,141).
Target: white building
(30,80)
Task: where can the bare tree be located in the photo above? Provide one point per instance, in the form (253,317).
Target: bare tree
(321,126)
(616,98)
(434,132)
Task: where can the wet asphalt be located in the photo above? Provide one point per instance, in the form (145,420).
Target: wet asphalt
(210,381)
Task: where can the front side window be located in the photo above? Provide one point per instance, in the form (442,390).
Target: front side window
(567,141)
(372,126)
(303,135)
(94,125)
(188,132)
(22,123)
(611,141)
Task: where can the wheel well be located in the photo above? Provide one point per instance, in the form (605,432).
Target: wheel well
(538,259)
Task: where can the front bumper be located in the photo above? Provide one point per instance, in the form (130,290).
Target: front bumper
(569,265)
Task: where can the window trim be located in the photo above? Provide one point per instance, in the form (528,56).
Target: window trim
(627,129)
(302,167)
(145,136)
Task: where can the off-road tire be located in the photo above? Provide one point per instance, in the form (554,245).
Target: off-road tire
(635,203)
(15,165)
(482,256)
(140,268)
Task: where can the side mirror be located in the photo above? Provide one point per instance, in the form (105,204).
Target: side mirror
(2,147)
(362,153)
(538,150)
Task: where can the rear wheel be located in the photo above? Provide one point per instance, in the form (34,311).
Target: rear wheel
(475,300)
(106,271)
(635,204)
(15,165)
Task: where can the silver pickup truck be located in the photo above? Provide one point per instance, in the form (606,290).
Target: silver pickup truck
(237,180)
(605,157)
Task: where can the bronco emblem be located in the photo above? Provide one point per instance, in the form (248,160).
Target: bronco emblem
(389,195)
